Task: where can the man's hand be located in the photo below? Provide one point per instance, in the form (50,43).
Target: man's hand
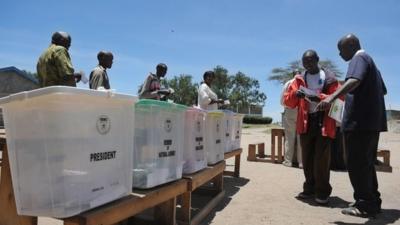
(78,76)
(300,94)
(324,104)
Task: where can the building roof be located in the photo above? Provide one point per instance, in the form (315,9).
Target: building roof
(20,73)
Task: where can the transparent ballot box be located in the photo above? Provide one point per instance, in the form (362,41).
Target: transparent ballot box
(194,152)
(214,137)
(69,149)
(158,151)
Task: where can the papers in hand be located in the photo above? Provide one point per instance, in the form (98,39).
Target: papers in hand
(84,79)
(309,94)
(336,110)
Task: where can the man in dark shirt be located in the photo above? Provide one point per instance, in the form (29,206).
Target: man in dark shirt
(364,118)
(98,77)
(152,88)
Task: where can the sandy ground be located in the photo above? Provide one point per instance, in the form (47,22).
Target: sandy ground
(265,192)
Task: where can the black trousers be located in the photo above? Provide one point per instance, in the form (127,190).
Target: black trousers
(316,159)
(361,148)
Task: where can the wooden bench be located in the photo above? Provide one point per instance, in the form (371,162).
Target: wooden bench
(212,174)
(385,167)
(162,199)
(235,153)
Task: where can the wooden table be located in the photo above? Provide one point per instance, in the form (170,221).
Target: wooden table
(215,175)
(162,198)
(235,153)
(8,210)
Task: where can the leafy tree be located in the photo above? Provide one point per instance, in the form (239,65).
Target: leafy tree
(221,83)
(185,90)
(244,91)
(283,74)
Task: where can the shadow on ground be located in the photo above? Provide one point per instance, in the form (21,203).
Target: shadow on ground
(387,216)
(232,185)
(334,202)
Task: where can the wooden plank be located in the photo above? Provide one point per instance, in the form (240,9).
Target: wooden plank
(261,150)
(207,209)
(8,210)
(233,153)
(131,205)
(203,176)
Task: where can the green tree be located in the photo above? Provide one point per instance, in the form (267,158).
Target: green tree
(283,74)
(221,84)
(244,91)
(185,90)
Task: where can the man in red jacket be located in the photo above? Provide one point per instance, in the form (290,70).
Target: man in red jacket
(316,129)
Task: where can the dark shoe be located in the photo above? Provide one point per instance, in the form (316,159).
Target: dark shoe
(305,195)
(353,211)
(322,201)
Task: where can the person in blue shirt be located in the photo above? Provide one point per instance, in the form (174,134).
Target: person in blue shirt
(363,119)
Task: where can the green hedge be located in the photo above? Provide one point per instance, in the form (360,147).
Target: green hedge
(257,120)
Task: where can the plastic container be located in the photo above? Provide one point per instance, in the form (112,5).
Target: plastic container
(228,121)
(194,153)
(158,151)
(237,130)
(70,149)
(214,137)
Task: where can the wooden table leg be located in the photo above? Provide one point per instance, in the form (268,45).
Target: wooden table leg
(219,182)
(186,208)
(280,152)
(8,209)
(236,172)
(165,213)
(272,147)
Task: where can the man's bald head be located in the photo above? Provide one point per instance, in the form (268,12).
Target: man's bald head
(348,46)
(61,38)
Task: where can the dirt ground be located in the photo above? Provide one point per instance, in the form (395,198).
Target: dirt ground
(265,192)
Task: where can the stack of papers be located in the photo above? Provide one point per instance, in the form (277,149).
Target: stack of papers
(336,110)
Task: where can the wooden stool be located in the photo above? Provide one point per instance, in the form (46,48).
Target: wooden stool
(280,135)
(252,155)
(385,154)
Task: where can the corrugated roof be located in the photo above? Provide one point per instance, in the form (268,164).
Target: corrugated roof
(20,73)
